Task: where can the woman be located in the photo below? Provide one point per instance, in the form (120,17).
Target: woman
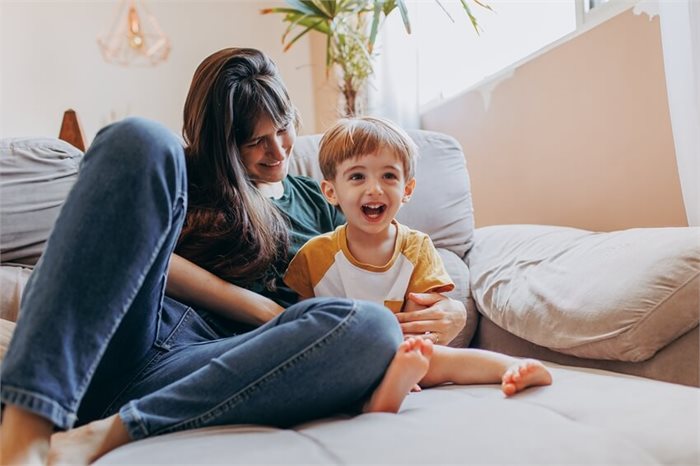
(97,337)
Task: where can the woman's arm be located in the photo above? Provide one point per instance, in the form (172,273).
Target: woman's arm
(442,317)
(191,284)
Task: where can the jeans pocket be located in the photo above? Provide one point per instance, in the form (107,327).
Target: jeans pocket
(189,329)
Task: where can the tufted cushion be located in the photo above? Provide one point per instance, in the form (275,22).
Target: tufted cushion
(35,177)
(621,295)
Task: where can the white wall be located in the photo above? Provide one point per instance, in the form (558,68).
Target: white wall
(50,61)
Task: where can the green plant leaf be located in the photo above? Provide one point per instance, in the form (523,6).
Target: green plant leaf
(376,17)
(301,34)
(404,15)
(472,18)
(302,6)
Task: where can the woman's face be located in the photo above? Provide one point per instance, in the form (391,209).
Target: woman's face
(266,154)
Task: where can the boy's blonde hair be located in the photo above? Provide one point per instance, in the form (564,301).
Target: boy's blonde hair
(350,138)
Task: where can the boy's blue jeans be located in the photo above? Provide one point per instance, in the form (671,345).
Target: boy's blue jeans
(97,336)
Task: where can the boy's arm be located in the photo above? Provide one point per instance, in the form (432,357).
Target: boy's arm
(426,311)
(298,276)
(193,285)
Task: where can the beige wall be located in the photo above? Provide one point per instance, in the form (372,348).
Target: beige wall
(49,61)
(578,136)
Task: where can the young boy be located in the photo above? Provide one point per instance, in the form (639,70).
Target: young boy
(368,167)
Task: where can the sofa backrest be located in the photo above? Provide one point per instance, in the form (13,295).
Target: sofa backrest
(35,177)
(441,205)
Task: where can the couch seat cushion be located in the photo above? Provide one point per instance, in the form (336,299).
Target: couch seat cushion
(621,295)
(585,417)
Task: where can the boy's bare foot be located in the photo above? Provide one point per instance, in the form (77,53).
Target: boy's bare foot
(85,444)
(525,373)
(408,367)
(24,437)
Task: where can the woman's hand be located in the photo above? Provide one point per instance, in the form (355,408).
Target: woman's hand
(432,315)
(195,286)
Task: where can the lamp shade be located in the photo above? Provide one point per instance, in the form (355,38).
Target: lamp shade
(135,38)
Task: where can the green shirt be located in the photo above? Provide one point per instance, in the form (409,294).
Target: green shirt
(309,215)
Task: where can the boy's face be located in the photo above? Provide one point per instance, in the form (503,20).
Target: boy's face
(370,190)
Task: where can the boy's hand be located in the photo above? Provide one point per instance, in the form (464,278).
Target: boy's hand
(433,316)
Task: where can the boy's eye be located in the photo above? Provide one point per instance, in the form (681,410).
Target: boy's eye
(390,176)
(355,176)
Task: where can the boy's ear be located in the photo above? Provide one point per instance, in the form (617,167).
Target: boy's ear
(408,190)
(328,191)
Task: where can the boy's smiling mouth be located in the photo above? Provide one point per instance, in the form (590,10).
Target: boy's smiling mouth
(373,210)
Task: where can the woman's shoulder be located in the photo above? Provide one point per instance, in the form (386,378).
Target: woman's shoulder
(303,182)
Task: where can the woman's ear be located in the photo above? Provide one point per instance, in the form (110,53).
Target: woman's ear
(328,191)
(408,190)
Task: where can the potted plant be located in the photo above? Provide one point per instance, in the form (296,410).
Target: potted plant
(351,28)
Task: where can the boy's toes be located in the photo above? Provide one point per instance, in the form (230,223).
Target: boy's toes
(508,388)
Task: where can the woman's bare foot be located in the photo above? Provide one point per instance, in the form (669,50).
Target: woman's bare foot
(409,365)
(24,437)
(525,373)
(85,444)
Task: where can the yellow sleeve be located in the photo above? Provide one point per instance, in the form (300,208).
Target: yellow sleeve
(429,274)
(298,274)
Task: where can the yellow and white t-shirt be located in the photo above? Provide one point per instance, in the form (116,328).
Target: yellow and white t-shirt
(324,266)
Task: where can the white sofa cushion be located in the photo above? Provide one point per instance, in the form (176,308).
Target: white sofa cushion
(35,177)
(585,417)
(621,295)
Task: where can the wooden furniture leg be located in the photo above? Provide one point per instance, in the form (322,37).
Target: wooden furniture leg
(71,130)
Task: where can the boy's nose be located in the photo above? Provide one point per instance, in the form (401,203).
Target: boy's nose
(375,188)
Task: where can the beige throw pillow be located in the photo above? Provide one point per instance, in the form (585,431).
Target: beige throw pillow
(621,295)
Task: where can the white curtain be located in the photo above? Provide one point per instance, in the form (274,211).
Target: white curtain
(393,89)
(680,37)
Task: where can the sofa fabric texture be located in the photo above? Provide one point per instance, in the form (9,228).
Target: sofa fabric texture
(36,175)
(620,295)
(585,417)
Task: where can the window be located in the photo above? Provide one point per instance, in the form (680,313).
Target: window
(451,57)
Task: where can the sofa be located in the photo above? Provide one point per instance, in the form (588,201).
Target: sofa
(614,315)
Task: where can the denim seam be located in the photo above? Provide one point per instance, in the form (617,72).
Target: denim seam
(157,357)
(129,416)
(109,409)
(186,317)
(91,371)
(27,399)
(245,392)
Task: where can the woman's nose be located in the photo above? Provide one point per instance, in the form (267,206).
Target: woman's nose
(277,148)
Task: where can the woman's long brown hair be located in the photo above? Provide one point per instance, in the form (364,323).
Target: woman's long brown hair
(231,229)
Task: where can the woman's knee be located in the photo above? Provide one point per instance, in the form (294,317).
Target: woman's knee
(137,144)
(377,326)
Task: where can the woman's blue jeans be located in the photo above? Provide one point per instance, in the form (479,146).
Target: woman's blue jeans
(96,335)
